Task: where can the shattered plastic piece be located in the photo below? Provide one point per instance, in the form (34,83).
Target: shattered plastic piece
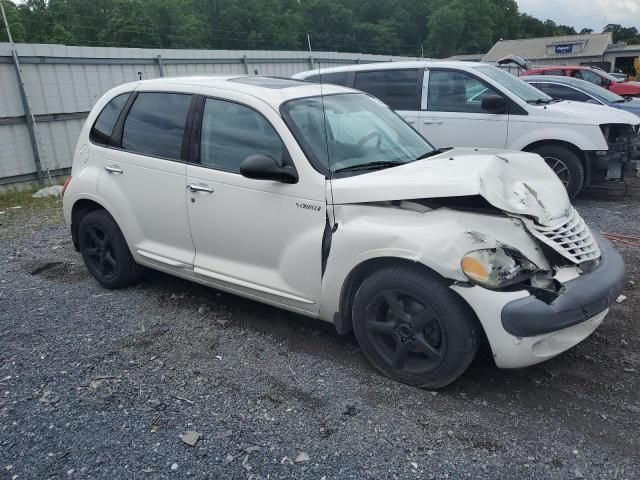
(621,299)
(191,438)
(302,458)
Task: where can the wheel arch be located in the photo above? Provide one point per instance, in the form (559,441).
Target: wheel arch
(343,318)
(80,208)
(585,159)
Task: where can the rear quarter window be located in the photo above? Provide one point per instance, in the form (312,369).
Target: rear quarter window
(337,78)
(103,127)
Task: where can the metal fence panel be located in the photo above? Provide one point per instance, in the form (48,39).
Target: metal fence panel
(63,83)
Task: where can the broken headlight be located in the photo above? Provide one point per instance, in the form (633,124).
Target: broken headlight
(496,267)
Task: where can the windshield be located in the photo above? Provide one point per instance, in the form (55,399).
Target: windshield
(362,133)
(609,77)
(522,89)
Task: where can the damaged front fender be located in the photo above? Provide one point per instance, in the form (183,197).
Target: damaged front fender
(435,238)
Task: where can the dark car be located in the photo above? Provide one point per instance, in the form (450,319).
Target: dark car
(567,88)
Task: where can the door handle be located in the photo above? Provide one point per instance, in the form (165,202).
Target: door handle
(432,122)
(113,169)
(199,188)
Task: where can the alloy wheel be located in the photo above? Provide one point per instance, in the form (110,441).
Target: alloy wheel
(405,331)
(560,169)
(99,250)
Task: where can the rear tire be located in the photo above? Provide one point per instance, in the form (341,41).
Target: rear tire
(413,328)
(105,251)
(565,164)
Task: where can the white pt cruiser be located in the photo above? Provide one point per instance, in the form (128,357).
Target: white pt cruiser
(322,201)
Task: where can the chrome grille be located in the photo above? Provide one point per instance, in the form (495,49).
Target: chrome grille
(572,238)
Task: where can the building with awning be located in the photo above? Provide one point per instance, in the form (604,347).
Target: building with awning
(590,49)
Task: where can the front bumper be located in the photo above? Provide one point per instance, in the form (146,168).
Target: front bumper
(523,330)
(582,298)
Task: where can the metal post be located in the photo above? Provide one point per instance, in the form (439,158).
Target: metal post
(246,64)
(160,65)
(25,103)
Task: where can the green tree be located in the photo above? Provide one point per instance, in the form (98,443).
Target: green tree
(623,34)
(18,31)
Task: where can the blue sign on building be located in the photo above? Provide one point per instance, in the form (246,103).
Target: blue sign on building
(564,48)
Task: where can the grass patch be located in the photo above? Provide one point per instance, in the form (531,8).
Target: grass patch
(25,200)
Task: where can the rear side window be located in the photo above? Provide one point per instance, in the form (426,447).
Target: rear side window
(337,78)
(106,121)
(156,123)
(231,132)
(396,88)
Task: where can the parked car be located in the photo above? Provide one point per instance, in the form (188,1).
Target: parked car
(322,201)
(594,75)
(567,88)
(572,89)
(469,104)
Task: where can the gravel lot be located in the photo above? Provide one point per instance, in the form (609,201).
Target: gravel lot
(101,384)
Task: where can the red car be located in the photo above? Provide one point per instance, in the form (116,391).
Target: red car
(593,75)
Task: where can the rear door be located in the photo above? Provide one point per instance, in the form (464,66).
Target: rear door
(399,89)
(256,237)
(145,176)
(452,114)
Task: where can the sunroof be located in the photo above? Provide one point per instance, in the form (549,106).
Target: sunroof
(270,82)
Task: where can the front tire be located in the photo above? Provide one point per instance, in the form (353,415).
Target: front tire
(565,164)
(413,328)
(105,251)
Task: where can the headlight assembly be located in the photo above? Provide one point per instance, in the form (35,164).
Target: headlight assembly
(496,267)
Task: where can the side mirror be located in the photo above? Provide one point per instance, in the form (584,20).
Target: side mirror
(594,102)
(264,167)
(494,104)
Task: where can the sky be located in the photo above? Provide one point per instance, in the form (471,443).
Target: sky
(585,13)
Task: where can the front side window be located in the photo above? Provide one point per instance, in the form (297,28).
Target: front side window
(156,123)
(396,88)
(106,121)
(352,133)
(232,132)
(589,77)
(451,91)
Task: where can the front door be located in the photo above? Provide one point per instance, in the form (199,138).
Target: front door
(452,115)
(145,178)
(258,238)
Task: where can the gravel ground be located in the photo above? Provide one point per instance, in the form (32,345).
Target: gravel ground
(101,384)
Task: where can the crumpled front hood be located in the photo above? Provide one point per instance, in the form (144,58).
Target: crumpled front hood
(515,182)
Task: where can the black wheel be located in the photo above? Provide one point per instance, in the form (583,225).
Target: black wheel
(566,165)
(413,328)
(105,251)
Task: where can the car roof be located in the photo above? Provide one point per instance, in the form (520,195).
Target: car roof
(272,90)
(554,78)
(560,67)
(389,66)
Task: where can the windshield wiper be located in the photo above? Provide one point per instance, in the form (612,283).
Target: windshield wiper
(539,101)
(433,153)
(369,166)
